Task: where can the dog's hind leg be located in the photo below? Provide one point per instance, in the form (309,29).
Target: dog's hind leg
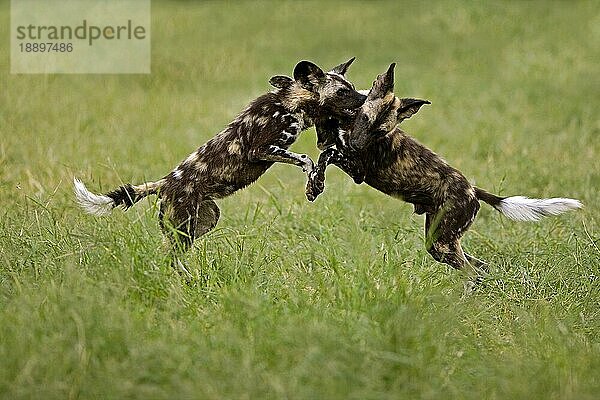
(182,224)
(176,226)
(451,253)
(448,252)
(443,231)
(207,216)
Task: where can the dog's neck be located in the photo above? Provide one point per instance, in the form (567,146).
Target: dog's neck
(297,100)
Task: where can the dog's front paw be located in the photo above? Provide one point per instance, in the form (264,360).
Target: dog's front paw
(314,187)
(312,193)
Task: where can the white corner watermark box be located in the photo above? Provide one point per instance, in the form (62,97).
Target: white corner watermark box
(80,36)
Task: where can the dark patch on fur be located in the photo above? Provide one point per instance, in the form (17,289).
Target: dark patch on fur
(489,198)
(124,196)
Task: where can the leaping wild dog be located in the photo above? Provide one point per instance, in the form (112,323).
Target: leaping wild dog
(370,147)
(237,156)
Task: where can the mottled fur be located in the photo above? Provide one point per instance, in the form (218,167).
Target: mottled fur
(370,147)
(238,155)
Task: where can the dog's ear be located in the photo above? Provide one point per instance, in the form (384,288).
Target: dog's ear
(383,85)
(343,67)
(308,74)
(281,81)
(409,107)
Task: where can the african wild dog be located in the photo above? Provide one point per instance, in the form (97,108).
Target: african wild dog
(371,148)
(237,156)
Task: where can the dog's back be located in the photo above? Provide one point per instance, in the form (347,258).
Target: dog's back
(224,165)
(398,165)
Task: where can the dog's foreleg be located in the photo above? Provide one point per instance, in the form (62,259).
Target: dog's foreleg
(350,165)
(332,155)
(278,154)
(316,180)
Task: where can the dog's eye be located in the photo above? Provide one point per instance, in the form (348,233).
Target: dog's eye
(342,91)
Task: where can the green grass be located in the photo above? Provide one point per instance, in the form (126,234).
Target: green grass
(336,299)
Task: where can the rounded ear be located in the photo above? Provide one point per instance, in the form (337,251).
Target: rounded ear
(343,67)
(281,81)
(409,107)
(308,74)
(383,85)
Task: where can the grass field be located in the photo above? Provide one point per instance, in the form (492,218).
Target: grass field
(332,300)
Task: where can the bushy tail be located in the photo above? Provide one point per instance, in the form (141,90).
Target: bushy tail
(124,196)
(521,208)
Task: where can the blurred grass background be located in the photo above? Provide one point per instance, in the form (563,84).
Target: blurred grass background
(336,299)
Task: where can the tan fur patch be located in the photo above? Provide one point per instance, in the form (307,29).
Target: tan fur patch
(248,119)
(303,121)
(202,167)
(262,121)
(234,147)
(389,97)
(148,187)
(298,95)
(404,164)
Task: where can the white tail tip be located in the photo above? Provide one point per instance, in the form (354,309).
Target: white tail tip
(520,208)
(92,203)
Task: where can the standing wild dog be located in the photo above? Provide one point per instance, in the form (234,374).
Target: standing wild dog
(371,148)
(237,156)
